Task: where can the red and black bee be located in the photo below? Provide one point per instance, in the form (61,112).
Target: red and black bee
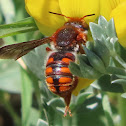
(66,42)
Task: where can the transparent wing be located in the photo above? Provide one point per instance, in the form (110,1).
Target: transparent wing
(18,50)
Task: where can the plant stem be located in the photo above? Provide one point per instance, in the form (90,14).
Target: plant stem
(107,109)
(66,122)
(37,90)
(122,110)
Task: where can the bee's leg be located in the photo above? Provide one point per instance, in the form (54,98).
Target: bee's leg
(48,49)
(81,50)
(67,101)
(67,109)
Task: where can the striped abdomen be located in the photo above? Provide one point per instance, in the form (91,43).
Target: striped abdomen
(58,76)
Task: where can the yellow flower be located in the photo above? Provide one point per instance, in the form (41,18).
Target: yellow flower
(82,83)
(117,10)
(49,23)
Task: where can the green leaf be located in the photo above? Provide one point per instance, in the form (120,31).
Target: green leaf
(26,97)
(33,117)
(123,95)
(90,45)
(122,110)
(102,22)
(75,69)
(107,110)
(95,61)
(35,61)
(84,58)
(81,98)
(108,44)
(102,51)
(110,30)
(32,61)
(97,31)
(120,81)
(89,113)
(10,79)
(88,71)
(121,51)
(42,123)
(104,83)
(56,102)
(116,70)
(23,26)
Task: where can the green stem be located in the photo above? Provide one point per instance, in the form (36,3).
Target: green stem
(122,110)
(37,90)
(66,122)
(10,109)
(107,109)
(38,96)
(26,97)
(46,115)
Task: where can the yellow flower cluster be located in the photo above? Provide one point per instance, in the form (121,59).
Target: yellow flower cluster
(48,23)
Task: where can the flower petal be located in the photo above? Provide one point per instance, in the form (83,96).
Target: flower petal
(106,6)
(80,8)
(82,83)
(46,30)
(120,22)
(39,10)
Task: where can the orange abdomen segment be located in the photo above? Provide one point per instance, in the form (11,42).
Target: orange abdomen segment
(65,70)
(59,79)
(50,60)
(49,80)
(52,89)
(65,80)
(64,88)
(49,70)
(56,69)
(66,60)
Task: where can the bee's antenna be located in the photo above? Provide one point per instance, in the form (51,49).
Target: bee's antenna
(86,16)
(59,14)
(70,17)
